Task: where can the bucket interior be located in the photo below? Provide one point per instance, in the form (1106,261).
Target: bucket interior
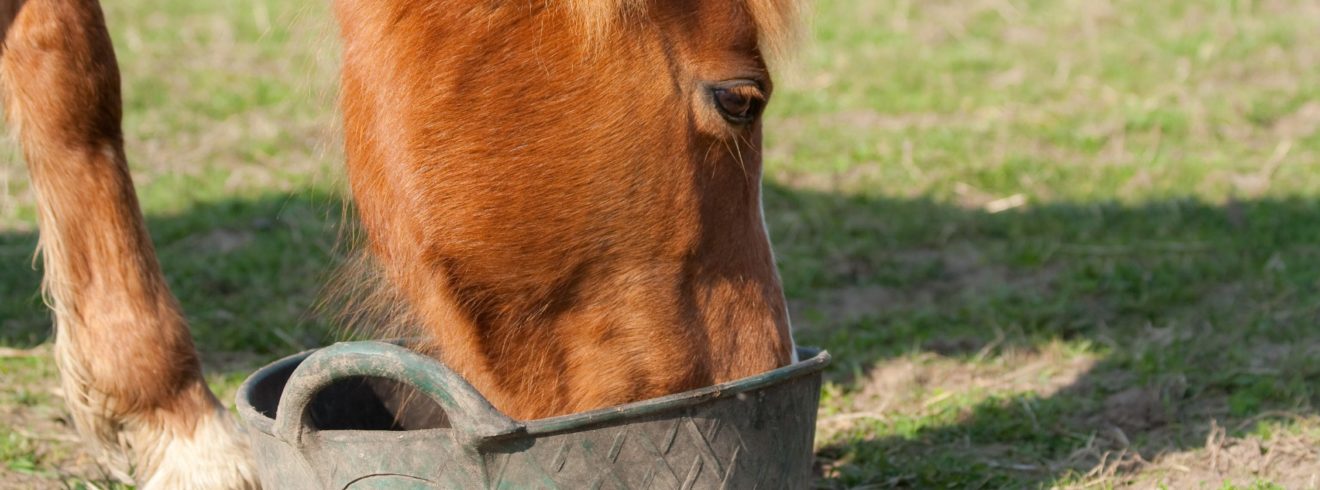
(359,403)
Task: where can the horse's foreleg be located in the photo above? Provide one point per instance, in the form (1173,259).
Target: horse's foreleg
(131,375)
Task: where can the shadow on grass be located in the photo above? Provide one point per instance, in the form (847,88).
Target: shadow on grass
(246,271)
(1195,314)
(1193,317)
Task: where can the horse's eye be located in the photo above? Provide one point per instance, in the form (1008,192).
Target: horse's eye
(740,102)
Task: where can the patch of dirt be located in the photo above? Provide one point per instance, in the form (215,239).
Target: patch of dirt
(964,273)
(846,305)
(913,385)
(1139,408)
(967,272)
(1288,460)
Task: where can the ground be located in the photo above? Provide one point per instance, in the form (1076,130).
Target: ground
(1066,243)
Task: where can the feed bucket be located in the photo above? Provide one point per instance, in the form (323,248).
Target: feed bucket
(374,415)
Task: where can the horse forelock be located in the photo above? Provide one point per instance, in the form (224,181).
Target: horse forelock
(776,21)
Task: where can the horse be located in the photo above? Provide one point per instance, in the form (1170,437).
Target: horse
(561,198)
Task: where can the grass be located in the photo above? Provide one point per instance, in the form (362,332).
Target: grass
(1049,244)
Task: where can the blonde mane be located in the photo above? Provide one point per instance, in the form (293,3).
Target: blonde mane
(776,20)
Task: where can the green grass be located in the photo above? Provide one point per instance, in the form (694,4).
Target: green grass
(1165,157)
(1048,243)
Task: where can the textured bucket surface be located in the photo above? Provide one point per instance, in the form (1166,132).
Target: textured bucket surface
(375,415)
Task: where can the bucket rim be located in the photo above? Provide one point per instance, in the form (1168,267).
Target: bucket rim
(812,361)
(243,397)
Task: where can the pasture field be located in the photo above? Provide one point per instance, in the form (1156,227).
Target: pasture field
(1070,243)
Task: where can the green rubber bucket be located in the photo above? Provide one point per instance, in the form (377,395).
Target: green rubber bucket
(374,415)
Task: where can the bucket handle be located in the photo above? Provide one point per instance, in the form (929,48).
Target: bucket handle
(470,414)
